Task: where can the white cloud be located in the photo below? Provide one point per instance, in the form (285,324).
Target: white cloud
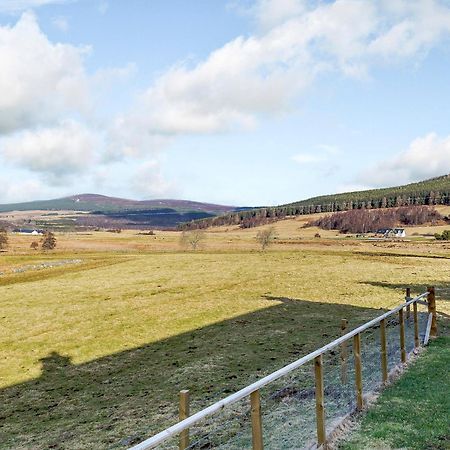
(42,83)
(43,87)
(270,13)
(426,157)
(128,137)
(39,81)
(148,181)
(26,188)
(22,5)
(56,152)
(416,27)
(261,74)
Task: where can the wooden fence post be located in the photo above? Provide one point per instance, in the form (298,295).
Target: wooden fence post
(407,298)
(320,404)
(402,335)
(344,353)
(184,413)
(432,310)
(416,326)
(257,436)
(384,363)
(358,371)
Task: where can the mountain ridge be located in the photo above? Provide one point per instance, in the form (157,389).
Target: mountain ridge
(102,203)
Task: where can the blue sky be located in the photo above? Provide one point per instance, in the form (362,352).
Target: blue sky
(235,102)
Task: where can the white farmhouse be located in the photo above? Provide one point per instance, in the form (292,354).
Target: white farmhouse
(399,232)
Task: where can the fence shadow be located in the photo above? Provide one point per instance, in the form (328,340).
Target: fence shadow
(117,400)
(442,289)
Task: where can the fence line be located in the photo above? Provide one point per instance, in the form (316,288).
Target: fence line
(252,390)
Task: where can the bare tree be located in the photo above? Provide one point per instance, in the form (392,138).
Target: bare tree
(265,237)
(192,238)
(3,238)
(49,241)
(34,245)
(363,220)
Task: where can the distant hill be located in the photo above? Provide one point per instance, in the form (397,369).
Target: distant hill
(103,203)
(435,191)
(112,212)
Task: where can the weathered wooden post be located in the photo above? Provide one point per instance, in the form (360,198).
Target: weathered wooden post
(407,299)
(257,436)
(416,326)
(184,413)
(344,353)
(358,371)
(320,404)
(384,362)
(402,335)
(432,310)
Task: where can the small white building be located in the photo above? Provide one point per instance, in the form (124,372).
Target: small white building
(392,232)
(399,232)
(31,232)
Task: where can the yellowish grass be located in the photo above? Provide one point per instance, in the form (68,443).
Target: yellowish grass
(82,347)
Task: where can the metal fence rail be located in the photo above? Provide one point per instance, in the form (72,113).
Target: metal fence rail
(253,390)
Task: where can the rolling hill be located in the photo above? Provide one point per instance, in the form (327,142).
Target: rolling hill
(100,211)
(103,203)
(435,191)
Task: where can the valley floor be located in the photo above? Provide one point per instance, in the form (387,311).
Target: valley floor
(98,336)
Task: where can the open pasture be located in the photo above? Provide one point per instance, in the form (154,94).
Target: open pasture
(95,351)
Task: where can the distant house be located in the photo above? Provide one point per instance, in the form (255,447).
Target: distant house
(391,232)
(30,231)
(399,232)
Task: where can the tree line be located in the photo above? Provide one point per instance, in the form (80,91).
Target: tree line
(365,221)
(427,193)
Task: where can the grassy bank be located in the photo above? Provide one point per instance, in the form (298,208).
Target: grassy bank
(413,413)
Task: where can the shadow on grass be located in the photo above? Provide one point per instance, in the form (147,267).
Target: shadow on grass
(122,398)
(401,255)
(442,289)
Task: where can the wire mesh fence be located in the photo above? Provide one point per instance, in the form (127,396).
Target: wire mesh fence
(288,403)
(393,343)
(339,391)
(288,410)
(229,429)
(371,361)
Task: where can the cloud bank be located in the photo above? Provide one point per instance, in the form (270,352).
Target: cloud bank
(10,6)
(46,115)
(426,157)
(298,40)
(40,82)
(60,151)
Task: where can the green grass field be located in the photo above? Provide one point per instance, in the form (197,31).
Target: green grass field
(96,352)
(414,412)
